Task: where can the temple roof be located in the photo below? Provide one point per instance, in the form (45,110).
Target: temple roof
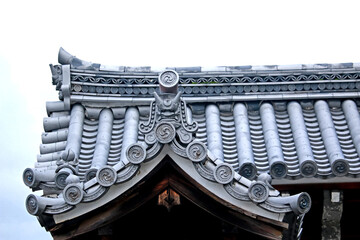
(235,127)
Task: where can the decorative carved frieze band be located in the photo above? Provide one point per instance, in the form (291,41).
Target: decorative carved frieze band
(214,89)
(207,78)
(90,83)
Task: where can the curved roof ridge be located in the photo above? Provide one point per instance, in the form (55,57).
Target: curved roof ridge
(77,63)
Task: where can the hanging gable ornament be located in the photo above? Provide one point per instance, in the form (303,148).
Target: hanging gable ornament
(169,122)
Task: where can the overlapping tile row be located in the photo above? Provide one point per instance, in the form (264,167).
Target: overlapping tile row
(104,141)
(343,132)
(257,140)
(89,140)
(54,142)
(87,146)
(229,139)
(199,117)
(288,139)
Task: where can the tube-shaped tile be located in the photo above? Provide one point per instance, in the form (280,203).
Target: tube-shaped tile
(130,135)
(308,167)
(247,166)
(52,147)
(33,176)
(49,157)
(213,131)
(102,146)
(75,129)
(72,151)
(278,168)
(57,106)
(353,120)
(36,205)
(53,123)
(55,136)
(339,165)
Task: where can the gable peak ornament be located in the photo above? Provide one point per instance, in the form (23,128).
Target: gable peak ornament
(169,80)
(169,122)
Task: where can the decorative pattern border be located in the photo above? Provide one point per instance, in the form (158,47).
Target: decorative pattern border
(211,79)
(216,89)
(212,84)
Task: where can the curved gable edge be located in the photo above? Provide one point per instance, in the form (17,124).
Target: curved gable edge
(164,173)
(269,215)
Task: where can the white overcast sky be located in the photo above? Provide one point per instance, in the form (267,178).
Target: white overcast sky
(143,33)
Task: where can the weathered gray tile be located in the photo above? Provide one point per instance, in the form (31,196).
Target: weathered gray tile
(290,67)
(158,69)
(137,69)
(213,69)
(265,68)
(112,68)
(342,65)
(322,66)
(239,68)
(188,69)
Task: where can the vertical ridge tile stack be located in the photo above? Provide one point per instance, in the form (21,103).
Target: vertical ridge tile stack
(287,140)
(116,142)
(90,130)
(229,139)
(350,136)
(199,117)
(258,141)
(316,142)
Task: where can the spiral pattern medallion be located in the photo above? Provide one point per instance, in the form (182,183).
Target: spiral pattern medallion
(304,203)
(32,205)
(106,176)
(73,194)
(278,170)
(168,78)
(258,192)
(340,168)
(196,151)
(150,138)
(248,170)
(60,179)
(308,169)
(29,177)
(136,153)
(165,132)
(224,173)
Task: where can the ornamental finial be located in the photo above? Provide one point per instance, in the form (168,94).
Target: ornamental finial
(169,81)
